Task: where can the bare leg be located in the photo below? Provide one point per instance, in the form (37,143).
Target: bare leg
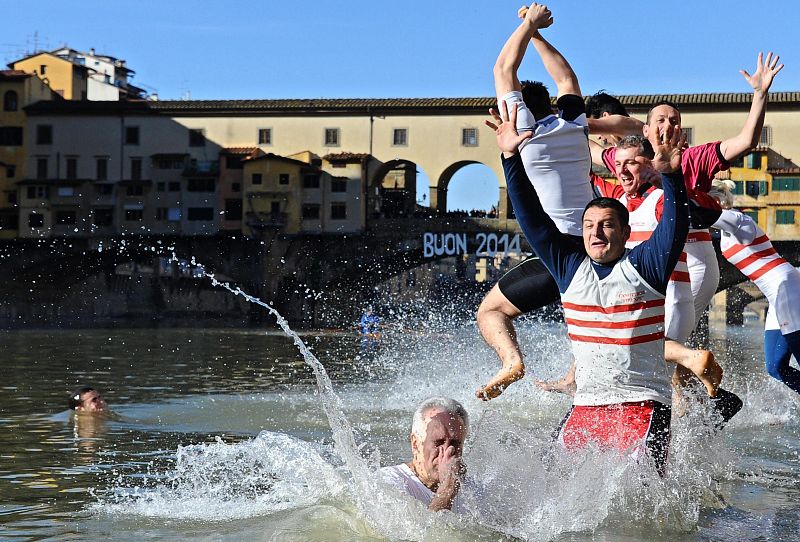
(699,363)
(495,322)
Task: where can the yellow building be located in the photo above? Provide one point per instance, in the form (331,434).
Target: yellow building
(272,194)
(768,189)
(65,78)
(17,90)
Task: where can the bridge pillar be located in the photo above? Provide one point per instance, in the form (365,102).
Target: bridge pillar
(438,199)
(728,306)
(504,206)
(718,311)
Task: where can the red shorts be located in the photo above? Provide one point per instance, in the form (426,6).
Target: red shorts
(631,428)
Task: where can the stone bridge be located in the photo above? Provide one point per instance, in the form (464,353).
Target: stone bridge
(299,275)
(292,272)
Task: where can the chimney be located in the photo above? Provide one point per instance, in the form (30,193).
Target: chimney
(91,51)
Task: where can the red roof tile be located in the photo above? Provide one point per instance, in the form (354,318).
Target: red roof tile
(239,150)
(11,75)
(350,157)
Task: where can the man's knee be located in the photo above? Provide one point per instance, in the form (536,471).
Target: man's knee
(495,303)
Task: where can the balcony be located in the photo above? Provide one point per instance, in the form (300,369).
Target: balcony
(202,168)
(266,220)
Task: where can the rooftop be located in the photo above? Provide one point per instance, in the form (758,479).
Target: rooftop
(377,106)
(239,150)
(349,157)
(13,75)
(272,156)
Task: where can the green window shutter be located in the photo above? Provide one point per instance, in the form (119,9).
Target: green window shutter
(784,216)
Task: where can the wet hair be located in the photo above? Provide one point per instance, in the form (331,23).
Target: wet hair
(722,191)
(643,146)
(75,399)
(609,203)
(537,98)
(601,102)
(445,404)
(659,103)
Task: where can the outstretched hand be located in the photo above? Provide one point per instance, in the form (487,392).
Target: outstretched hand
(668,144)
(765,72)
(505,128)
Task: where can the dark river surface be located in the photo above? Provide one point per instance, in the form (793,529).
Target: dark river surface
(218,434)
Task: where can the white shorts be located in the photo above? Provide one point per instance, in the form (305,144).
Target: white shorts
(703,273)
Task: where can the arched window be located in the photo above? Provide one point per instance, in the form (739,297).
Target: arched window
(10,101)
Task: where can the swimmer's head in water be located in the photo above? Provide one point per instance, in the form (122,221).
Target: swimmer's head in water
(444,436)
(87,399)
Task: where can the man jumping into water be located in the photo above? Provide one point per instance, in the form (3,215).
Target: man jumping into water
(557,161)
(613,300)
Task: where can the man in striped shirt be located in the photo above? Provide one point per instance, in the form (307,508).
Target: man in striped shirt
(613,300)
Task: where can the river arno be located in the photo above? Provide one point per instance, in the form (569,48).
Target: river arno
(219,434)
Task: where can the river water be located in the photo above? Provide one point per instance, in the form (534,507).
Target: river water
(219,434)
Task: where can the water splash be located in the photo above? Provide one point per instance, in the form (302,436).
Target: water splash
(534,494)
(342,429)
(222,481)
(372,497)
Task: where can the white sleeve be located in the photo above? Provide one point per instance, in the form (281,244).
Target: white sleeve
(525,119)
(738,224)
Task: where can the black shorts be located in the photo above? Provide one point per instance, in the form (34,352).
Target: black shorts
(529,285)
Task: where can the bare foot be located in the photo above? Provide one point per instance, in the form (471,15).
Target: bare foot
(503,379)
(701,363)
(706,368)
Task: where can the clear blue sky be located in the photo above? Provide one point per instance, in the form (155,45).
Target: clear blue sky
(354,48)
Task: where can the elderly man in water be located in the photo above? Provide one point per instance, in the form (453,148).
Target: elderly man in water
(435,472)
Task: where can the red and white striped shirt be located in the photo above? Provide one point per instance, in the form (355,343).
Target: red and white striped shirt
(756,259)
(616,326)
(643,221)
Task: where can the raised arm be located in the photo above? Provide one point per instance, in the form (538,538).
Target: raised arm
(615,125)
(554,62)
(761,80)
(597,153)
(739,225)
(655,259)
(557,67)
(510,57)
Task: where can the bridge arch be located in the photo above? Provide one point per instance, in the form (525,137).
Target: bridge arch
(393,188)
(446,177)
